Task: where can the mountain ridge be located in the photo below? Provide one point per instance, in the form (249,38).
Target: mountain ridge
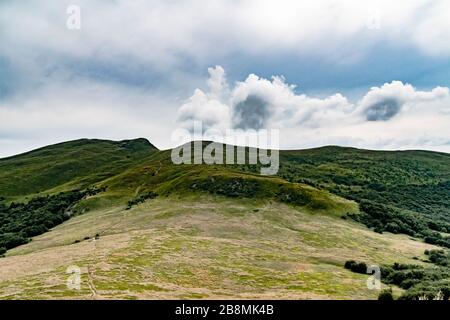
(146,141)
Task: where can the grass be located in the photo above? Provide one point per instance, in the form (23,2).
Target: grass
(203,247)
(68,166)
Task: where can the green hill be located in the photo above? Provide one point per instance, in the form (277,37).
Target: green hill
(398,191)
(68,166)
(67,193)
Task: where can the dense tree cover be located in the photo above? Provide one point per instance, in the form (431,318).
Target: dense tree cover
(21,221)
(419,282)
(388,218)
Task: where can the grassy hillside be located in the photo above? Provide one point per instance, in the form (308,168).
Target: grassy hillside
(108,174)
(398,191)
(401,192)
(163,178)
(68,166)
(150,212)
(202,246)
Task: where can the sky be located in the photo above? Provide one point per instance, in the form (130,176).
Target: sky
(367,74)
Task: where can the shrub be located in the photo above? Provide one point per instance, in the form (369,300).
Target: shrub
(439,257)
(141,199)
(349,264)
(386,295)
(419,282)
(358,267)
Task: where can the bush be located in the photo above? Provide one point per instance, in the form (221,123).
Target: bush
(141,199)
(419,282)
(439,290)
(235,187)
(439,257)
(354,266)
(386,295)
(349,264)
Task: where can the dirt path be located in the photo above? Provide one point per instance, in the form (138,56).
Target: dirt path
(90,267)
(91,283)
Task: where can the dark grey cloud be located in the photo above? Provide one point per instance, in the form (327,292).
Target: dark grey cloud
(252,113)
(383,110)
(189,120)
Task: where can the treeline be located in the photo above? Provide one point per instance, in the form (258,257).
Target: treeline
(382,217)
(419,282)
(21,221)
(430,199)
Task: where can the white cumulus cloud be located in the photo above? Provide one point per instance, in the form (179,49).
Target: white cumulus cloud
(394,115)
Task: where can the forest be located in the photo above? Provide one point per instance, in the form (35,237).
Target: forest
(21,221)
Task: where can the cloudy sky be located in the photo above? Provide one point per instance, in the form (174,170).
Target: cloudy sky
(369,74)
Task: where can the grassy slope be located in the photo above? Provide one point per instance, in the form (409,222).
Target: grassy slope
(158,174)
(252,247)
(202,246)
(68,166)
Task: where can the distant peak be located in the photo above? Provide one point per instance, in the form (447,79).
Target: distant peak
(139,142)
